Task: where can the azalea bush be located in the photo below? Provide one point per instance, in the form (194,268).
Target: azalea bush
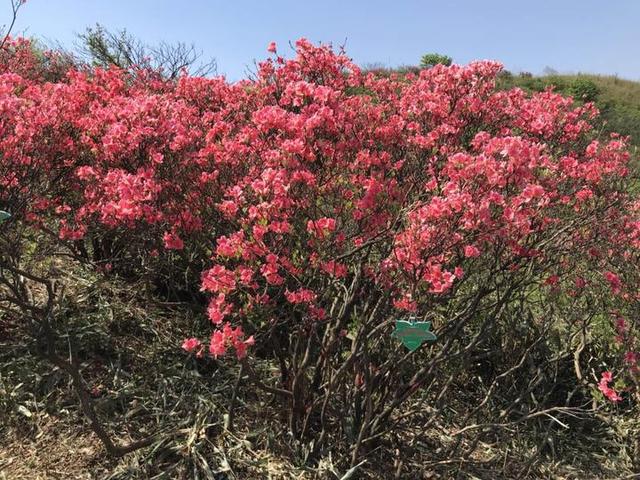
(314,205)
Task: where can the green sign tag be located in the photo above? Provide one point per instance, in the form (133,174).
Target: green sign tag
(4,216)
(413,334)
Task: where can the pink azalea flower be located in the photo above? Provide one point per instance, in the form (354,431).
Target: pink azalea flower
(191,344)
(172,241)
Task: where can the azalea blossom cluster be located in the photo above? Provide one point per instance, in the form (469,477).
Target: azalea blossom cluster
(607,391)
(315,172)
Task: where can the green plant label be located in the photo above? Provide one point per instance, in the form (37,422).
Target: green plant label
(413,334)
(4,216)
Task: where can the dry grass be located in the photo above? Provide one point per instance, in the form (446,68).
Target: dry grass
(144,384)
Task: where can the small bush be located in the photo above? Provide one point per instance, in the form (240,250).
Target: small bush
(584,89)
(429,60)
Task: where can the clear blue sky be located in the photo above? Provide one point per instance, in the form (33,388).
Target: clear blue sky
(600,36)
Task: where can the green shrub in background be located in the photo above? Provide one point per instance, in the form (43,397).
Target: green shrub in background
(584,89)
(429,60)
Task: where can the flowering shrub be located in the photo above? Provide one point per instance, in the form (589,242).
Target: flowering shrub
(317,204)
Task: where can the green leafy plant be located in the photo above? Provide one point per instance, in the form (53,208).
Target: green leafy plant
(584,89)
(429,60)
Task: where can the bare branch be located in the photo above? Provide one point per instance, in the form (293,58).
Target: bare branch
(15,6)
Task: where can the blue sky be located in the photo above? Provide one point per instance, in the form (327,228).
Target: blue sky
(568,35)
